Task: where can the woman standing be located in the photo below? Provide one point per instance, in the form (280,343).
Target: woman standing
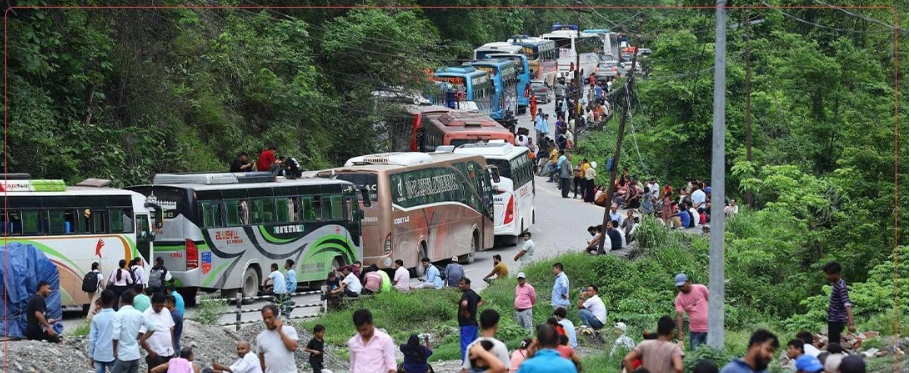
(121,280)
(590,183)
(416,355)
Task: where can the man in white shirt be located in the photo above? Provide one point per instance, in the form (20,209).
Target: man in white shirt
(401,277)
(247,361)
(276,345)
(698,197)
(591,308)
(527,254)
(160,346)
(351,284)
(127,338)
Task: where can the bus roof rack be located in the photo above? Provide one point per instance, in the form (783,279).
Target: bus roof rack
(214,178)
(95,183)
(444,149)
(397,159)
(34,185)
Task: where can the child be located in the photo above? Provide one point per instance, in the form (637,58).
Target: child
(315,348)
(795,350)
(702,216)
(170,302)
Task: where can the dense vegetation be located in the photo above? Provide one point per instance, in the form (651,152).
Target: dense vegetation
(123,94)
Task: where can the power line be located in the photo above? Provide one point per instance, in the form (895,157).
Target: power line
(891,27)
(798,19)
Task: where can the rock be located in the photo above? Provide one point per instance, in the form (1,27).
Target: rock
(870,334)
(870,353)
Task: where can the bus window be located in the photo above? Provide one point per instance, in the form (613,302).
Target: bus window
(263,210)
(30,222)
(232,212)
(99,221)
(56,222)
(338,207)
(244,209)
(210,214)
(311,207)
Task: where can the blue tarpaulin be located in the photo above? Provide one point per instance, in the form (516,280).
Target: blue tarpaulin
(21,268)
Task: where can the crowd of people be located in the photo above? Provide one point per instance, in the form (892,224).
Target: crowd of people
(267,161)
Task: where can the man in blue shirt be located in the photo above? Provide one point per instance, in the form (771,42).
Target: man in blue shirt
(568,327)
(291,286)
(126,336)
(547,359)
(432,279)
(179,299)
(760,352)
(541,125)
(101,335)
(683,215)
(559,297)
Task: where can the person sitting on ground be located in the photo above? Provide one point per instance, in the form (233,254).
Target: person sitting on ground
(731,209)
(852,364)
(597,235)
(660,355)
(601,196)
(836,355)
(794,351)
(247,361)
(520,355)
(453,273)
(808,364)
(499,269)
(432,279)
(623,344)
(705,366)
(351,285)
(808,347)
(416,355)
(183,364)
(568,352)
(592,311)
(616,238)
(627,226)
(372,280)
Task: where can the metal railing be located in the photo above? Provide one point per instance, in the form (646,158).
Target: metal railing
(239,310)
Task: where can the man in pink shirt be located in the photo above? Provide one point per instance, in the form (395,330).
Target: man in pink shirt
(370,350)
(372,281)
(524,302)
(694,300)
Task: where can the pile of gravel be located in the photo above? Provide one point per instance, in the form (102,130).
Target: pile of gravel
(33,356)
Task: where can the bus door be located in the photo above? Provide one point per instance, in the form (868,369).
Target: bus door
(144,237)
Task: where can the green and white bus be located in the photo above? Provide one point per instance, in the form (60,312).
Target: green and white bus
(75,226)
(221,231)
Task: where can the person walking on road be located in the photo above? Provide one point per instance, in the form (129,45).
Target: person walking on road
(527,253)
(99,288)
(524,302)
(276,345)
(467,316)
(559,296)
(694,300)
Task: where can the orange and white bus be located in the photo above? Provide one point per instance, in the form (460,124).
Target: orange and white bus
(457,128)
(433,205)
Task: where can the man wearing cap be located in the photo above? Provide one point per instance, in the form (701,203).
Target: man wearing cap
(524,302)
(808,364)
(591,308)
(694,300)
(453,273)
(623,341)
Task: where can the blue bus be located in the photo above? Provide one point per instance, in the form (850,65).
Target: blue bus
(523,74)
(503,74)
(463,88)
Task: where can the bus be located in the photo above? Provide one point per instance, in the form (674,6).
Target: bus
(456,128)
(75,226)
(514,194)
(542,57)
(483,52)
(461,87)
(223,230)
(604,35)
(424,205)
(523,77)
(569,44)
(505,81)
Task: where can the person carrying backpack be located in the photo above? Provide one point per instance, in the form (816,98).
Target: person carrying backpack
(137,269)
(93,284)
(121,280)
(158,276)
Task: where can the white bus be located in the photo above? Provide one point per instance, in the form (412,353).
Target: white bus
(484,51)
(76,226)
(570,43)
(514,194)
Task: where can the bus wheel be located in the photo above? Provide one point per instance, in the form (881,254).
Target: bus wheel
(189,295)
(250,284)
(469,258)
(419,268)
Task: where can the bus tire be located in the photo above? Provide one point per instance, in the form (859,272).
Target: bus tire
(475,243)
(422,253)
(250,284)
(189,295)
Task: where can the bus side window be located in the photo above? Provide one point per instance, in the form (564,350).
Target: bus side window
(284,207)
(309,214)
(318,208)
(30,222)
(56,222)
(116,221)
(338,207)
(99,221)
(232,213)
(244,210)
(210,214)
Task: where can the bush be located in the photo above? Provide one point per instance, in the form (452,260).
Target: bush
(704,352)
(82,330)
(209,310)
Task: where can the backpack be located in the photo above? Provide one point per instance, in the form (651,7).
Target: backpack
(134,277)
(90,282)
(156,277)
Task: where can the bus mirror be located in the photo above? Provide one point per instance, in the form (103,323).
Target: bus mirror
(365,196)
(159,216)
(494,173)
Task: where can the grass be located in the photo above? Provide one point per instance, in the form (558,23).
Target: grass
(82,330)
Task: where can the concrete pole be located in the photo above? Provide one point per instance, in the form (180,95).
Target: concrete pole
(716,238)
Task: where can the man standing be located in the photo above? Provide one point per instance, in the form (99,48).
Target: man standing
(171,304)
(559,296)
(137,267)
(247,361)
(694,300)
(499,269)
(276,344)
(468,309)
(566,175)
(101,335)
(99,288)
(591,308)
(527,254)
(370,350)
(127,338)
(759,353)
(658,355)
(160,346)
(568,327)
(432,279)
(840,310)
(240,164)
(38,327)
(401,277)
(547,359)
(158,276)
(141,301)
(524,302)
(290,287)
(453,273)
(490,321)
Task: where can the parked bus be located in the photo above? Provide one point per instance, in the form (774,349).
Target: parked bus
(569,44)
(514,194)
(424,205)
(483,52)
(542,57)
(223,230)
(503,74)
(456,128)
(75,226)
(604,35)
(464,87)
(523,77)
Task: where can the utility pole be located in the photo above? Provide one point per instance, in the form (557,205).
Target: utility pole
(578,95)
(749,117)
(630,79)
(716,237)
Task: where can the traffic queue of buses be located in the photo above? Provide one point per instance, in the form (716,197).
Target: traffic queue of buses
(221,231)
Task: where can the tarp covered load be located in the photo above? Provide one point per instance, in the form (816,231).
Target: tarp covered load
(21,268)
